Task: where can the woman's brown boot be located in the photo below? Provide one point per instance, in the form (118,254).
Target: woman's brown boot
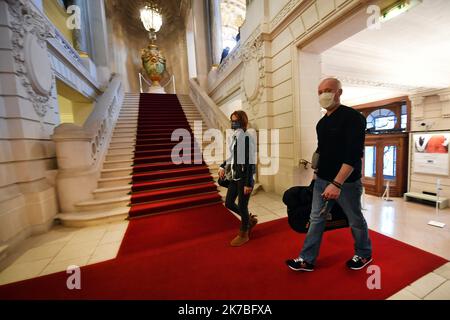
(240,239)
(253,222)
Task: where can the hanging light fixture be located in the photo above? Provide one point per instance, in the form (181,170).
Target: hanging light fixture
(152,20)
(153,62)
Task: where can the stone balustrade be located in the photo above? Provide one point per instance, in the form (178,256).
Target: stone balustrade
(213,116)
(80,151)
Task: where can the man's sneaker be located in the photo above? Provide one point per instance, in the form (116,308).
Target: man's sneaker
(299,264)
(357,262)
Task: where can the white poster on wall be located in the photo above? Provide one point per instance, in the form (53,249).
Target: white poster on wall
(431,153)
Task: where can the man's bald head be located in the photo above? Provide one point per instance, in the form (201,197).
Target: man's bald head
(331,85)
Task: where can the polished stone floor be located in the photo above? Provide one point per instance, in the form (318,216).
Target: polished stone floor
(405,221)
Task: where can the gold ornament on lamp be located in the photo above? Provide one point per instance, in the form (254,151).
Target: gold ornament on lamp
(153,61)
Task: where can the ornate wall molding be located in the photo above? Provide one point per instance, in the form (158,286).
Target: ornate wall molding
(253,75)
(284,12)
(445,101)
(367,83)
(29,43)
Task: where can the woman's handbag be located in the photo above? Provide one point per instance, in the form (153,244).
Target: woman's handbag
(225,181)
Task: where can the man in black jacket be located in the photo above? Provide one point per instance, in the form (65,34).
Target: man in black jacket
(341,134)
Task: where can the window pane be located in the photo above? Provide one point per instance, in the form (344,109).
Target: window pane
(370,122)
(389,162)
(382,119)
(404,121)
(385,123)
(404,110)
(370,161)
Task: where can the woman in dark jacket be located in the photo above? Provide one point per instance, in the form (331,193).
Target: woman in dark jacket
(239,169)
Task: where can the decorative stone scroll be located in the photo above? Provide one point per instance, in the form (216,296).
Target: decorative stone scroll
(254,72)
(29,42)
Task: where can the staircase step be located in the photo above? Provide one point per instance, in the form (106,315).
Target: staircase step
(85,219)
(174,204)
(116,172)
(165,183)
(114,182)
(149,143)
(149,153)
(122,142)
(123,137)
(166,135)
(169,173)
(103,204)
(112,192)
(150,129)
(120,156)
(164,114)
(119,163)
(159,166)
(161,130)
(142,145)
(161,158)
(120,150)
(167,120)
(128,117)
(170,193)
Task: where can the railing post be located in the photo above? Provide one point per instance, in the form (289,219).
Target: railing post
(174,89)
(75,160)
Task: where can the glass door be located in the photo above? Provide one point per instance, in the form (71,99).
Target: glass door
(390,164)
(384,163)
(370,168)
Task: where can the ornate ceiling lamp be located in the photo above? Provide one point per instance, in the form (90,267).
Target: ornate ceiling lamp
(152,60)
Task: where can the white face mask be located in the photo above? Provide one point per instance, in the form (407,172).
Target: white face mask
(326,100)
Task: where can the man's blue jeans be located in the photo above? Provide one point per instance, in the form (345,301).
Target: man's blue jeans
(350,202)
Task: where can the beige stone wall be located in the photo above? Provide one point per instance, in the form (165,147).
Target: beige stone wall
(27,156)
(430,108)
(274,79)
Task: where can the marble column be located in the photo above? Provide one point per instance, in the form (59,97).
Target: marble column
(201,42)
(80,36)
(98,39)
(216,30)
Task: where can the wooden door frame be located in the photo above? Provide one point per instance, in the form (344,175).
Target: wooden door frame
(386,103)
(400,140)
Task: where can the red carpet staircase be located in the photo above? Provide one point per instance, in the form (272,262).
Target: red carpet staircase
(158,184)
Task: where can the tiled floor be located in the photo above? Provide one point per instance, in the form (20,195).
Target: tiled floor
(62,247)
(405,221)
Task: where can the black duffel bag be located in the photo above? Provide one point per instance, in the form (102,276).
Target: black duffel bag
(299,203)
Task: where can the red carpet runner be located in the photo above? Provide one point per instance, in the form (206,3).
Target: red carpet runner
(159,185)
(186,254)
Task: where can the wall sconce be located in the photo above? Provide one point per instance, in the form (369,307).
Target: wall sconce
(398,8)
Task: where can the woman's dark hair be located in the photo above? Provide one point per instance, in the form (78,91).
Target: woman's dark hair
(242,118)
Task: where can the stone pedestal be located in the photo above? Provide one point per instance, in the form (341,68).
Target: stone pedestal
(156,89)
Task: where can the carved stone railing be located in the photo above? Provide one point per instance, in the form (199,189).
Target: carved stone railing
(80,151)
(211,113)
